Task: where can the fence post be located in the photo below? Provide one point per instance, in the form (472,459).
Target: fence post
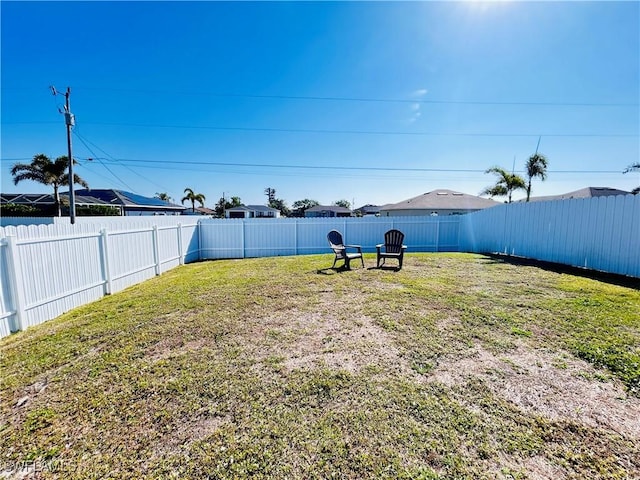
(244,240)
(105,260)
(16,283)
(180,252)
(295,234)
(156,248)
(200,230)
(437,234)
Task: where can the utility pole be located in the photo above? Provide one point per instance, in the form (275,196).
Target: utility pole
(69,120)
(270,193)
(224,206)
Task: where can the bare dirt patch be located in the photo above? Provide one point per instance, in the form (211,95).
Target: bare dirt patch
(323,339)
(170,346)
(556,388)
(189,432)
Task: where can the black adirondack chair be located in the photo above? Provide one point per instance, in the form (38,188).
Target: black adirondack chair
(393,247)
(340,249)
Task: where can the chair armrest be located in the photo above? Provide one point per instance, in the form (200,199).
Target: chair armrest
(379,245)
(404,247)
(358,247)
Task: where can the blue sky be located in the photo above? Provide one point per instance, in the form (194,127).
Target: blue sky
(369,102)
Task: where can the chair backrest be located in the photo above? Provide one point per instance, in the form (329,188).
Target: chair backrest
(393,241)
(335,241)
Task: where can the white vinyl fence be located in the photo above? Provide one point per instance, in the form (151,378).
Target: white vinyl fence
(601,233)
(266,238)
(46,270)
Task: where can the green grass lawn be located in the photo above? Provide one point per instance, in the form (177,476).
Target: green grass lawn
(458,366)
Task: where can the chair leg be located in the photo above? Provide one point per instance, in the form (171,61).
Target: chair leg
(347,263)
(362,260)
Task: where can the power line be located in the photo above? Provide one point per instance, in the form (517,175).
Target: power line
(101,162)
(367,99)
(178,165)
(363,132)
(120,164)
(347,132)
(338,167)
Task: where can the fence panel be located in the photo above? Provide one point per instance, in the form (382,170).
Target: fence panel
(599,233)
(168,247)
(47,270)
(259,237)
(221,239)
(7,308)
(131,257)
(269,238)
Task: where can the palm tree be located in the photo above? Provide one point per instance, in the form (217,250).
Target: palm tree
(634,167)
(507,183)
(43,170)
(536,167)
(164,196)
(193,197)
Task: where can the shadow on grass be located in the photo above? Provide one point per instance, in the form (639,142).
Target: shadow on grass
(332,270)
(612,278)
(385,267)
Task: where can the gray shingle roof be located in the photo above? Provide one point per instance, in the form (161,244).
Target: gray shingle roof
(328,208)
(443,200)
(254,208)
(587,192)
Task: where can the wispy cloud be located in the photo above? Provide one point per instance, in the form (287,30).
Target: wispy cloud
(415,108)
(415,112)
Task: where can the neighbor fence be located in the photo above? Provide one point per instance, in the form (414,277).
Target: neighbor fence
(46,270)
(265,238)
(601,233)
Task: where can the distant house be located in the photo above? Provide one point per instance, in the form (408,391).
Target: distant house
(367,210)
(327,211)
(588,192)
(438,202)
(132,203)
(199,211)
(252,211)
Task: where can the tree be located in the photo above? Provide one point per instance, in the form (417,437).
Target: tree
(164,196)
(223,204)
(343,203)
(280,205)
(193,197)
(300,206)
(43,170)
(634,167)
(536,167)
(506,184)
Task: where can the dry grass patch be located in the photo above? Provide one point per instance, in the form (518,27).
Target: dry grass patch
(542,383)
